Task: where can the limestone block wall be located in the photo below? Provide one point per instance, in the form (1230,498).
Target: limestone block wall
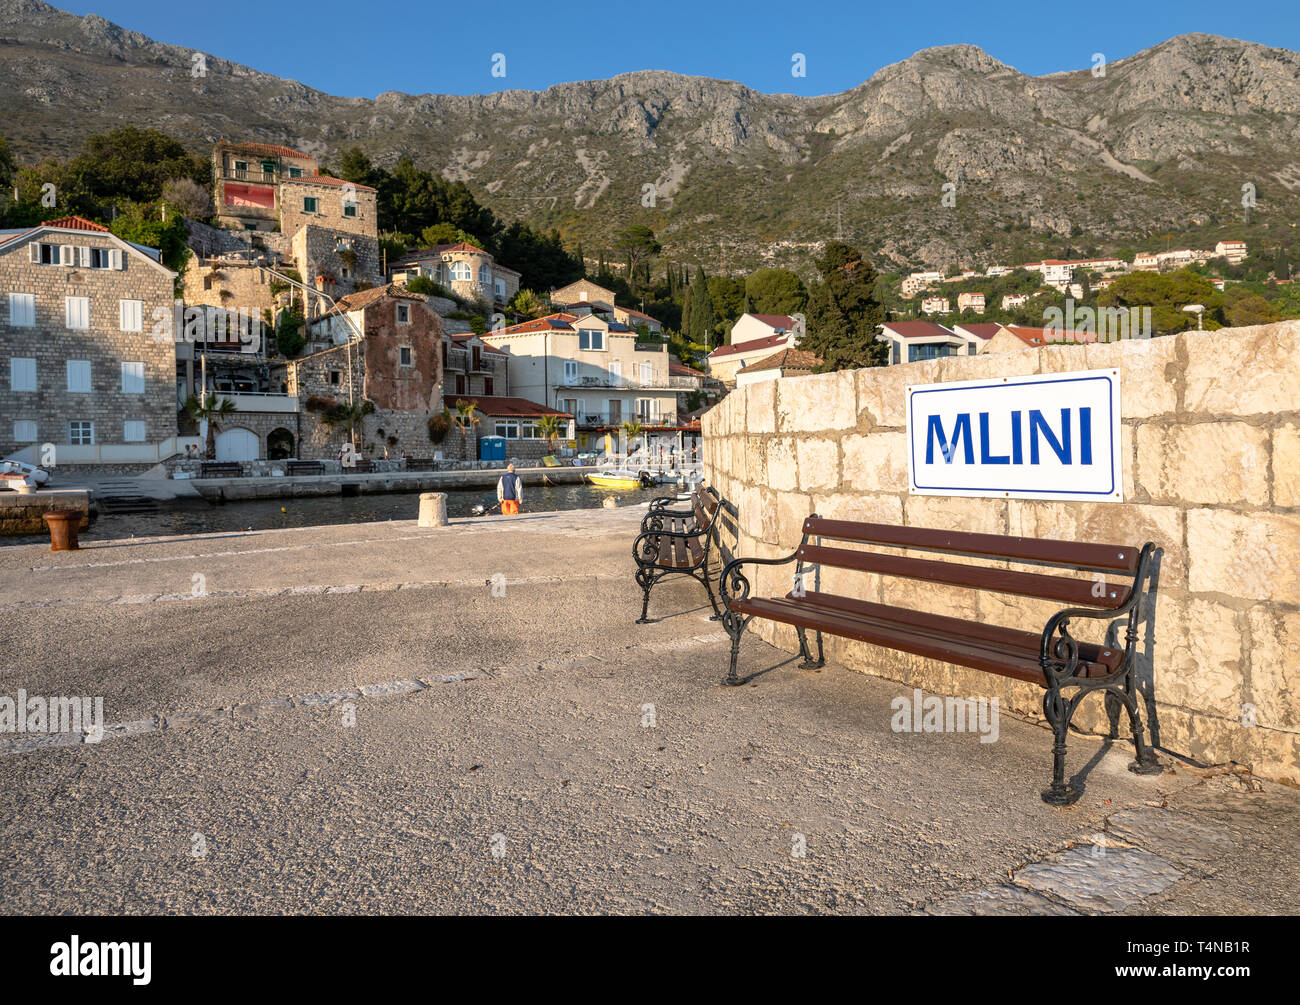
(1211,441)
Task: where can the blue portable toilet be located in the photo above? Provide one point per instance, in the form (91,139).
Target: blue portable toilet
(492,448)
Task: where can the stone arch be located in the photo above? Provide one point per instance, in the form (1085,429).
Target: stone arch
(280,444)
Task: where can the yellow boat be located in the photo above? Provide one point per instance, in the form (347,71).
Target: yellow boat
(616,479)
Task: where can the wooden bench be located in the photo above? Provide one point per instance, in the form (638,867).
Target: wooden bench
(360,467)
(221,469)
(1107,584)
(305,468)
(675,541)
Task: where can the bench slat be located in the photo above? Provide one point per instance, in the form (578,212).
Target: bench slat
(943,626)
(978,656)
(1025,584)
(1118,558)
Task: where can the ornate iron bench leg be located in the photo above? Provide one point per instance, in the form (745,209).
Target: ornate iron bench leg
(717,614)
(734,625)
(808,662)
(645,577)
(1059,711)
(1145,761)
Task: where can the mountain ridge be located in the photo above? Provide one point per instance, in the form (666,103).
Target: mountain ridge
(1163,140)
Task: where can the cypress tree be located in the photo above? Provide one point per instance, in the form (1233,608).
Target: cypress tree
(702,319)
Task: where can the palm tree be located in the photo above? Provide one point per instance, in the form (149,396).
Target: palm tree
(466,420)
(549,427)
(632,429)
(209,410)
(350,414)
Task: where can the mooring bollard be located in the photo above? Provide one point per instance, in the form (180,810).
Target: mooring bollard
(433,509)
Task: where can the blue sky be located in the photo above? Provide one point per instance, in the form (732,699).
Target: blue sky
(447,47)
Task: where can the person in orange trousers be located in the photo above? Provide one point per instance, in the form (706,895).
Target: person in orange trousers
(510,491)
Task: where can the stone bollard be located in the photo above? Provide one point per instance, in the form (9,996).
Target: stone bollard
(433,509)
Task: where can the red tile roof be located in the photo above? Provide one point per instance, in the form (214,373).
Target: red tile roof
(324,179)
(766,342)
(75,223)
(466,336)
(676,368)
(1037,337)
(269,148)
(552,322)
(501,406)
(439,249)
(983,329)
(787,359)
(916,329)
(775,320)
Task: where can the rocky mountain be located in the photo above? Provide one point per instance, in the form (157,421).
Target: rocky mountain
(1160,143)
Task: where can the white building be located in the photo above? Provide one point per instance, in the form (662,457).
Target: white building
(934,305)
(1233,251)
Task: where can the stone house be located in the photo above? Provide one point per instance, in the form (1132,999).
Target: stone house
(387,350)
(593,369)
(87,350)
(585,297)
(472,367)
(246,180)
(464,269)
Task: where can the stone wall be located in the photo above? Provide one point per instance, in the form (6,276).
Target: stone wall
(1211,442)
(103,344)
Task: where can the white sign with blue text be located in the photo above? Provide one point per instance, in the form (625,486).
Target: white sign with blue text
(1050,436)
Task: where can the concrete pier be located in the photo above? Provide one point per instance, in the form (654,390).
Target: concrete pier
(21,513)
(297,486)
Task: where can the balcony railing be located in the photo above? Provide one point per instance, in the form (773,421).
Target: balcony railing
(609,381)
(249,174)
(618,418)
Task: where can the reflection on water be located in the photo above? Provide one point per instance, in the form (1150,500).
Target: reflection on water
(196,517)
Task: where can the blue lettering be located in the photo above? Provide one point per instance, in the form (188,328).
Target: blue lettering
(1060,447)
(985,457)
(1017,450)
(934,427)
(1085,435)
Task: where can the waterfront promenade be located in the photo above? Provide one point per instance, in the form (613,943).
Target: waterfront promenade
(382,718)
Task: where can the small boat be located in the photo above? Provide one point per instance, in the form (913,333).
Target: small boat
(619,479)
(13,473)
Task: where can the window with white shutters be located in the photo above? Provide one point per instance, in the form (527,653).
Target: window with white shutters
(647,374)
(22,373)
(132,431)
(570,371)
(22,310)
(25,431)
(79,376)
(68,255)
(131,315)
(133,378)
(78,312)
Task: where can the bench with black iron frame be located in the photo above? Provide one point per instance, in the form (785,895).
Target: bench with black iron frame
(675,541)
(305,467)
(1068,669)
(221,469)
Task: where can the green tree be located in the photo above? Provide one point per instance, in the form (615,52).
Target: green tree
(776,291)
(145,224)
(212,410)
(133,163)
(702,319)
(843,312)
(639,244)
(1166,295)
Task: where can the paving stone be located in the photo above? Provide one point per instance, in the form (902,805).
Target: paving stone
(1100,883)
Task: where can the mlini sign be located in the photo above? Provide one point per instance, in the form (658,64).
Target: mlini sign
(1052,436)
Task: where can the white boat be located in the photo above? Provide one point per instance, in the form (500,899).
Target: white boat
(15,473)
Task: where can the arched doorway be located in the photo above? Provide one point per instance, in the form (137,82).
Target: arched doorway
(279,445)
(238,445)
